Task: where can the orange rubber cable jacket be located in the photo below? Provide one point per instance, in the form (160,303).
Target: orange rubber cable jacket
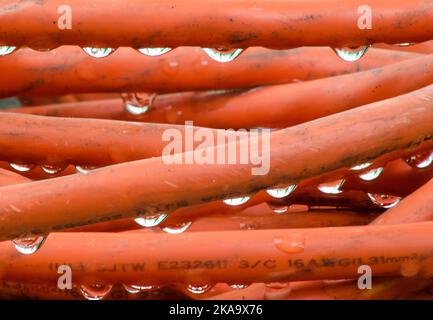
(70,70)
(147,185)
(236,24)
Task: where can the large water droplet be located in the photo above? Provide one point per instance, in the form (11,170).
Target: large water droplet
(134,288)
(98,52)
(84,169)
(30,244)
(278,209)
(22,167)
(239,286)
(51,169)
(371,175)
(5,50)
(351,54)
(198,289)
(293,243)
(179,228)
(421,161)
(95,291)
(236,201)
(332,187)
(384,200)
(138,103)
(361,166)
(154,52)
(410,268)
(279,193)
(223,55)
(150,221)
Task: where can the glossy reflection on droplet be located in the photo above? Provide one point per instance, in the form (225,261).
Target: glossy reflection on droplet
(179,228)
(138,103)
(223,55)
(405,44)
(332,187)
(351,54)
(279,193)
(198,289)
(30,244)
(361,166)
(371,175)
(239,286)
(84,169)
(97,291)
(5,50)
(236,201)
(150,221)
(22,167)
(154,52)
(383,200)
(98,52)
(278,209)
(52,169)
(420,161)
(134,288)
(292,243)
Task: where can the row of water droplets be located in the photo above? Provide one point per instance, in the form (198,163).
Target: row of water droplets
(420,161)
(219,55)
(50,169)
(349,54)
(139,103)
(31,244)
(98,291)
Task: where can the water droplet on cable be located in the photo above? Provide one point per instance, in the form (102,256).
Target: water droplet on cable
(5,50)
(84,169)
(30,244)
(182,227)
(154,52)
(410,268)
(150,221)
(277,285)
(97,291)
(371,175)
(279,193)
(236,201)
(361,166)
(138,103)
(421,161)
(277,291)
(98,52)
(383,200)
(223,55)
(239,286)
(198,289)
(51,169)
(134,288)
(351,54)
(332,187)
(278,209)
(22,167)
(293,243)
